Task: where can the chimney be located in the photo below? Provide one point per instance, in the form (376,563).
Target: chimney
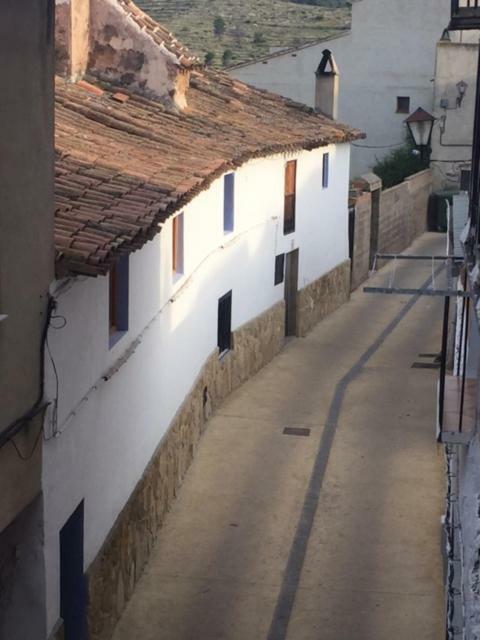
(72,26)
(326,89)
(116,42)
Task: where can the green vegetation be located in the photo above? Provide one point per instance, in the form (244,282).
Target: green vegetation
(247,29)
(398,165)
(209,58)
(219,26)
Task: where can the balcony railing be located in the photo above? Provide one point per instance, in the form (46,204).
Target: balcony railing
(456,391)
(465,14)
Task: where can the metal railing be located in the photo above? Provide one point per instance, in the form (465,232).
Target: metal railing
(446,432)
(465,14)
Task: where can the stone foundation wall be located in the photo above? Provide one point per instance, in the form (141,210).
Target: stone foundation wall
(119,565)
(361,247)
(322,297)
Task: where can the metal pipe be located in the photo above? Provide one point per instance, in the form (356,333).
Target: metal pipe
(443,366)
(465,352)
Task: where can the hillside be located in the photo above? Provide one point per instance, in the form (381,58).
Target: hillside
(248,29)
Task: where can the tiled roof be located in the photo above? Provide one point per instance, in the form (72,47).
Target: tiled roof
(159,33)
(125,163)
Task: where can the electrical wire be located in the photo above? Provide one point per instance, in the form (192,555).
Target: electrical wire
(388,146)
(29,456)
(39,405)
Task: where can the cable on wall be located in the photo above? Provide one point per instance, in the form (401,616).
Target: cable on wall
(39,405)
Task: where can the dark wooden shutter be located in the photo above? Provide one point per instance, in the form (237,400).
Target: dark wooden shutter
(279,268)
(225,322)
(290,197)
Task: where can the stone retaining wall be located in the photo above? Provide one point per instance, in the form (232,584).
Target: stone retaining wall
(361,248)
(119,565)
(403,212)
(322,297)
(402,218)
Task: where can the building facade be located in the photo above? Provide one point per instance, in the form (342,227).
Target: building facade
(26,270)
(454,108)
(198,223)
(386,65)
(458,409)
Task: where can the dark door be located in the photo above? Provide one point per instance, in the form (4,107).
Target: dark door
(351,232)
(374,227)
(73,595)
(291,289)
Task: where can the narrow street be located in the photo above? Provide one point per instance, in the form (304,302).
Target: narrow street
(333,535)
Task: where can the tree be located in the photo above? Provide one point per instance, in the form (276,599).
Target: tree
(227,57)
(219,26)
(209,58)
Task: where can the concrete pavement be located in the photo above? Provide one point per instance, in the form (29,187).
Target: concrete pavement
(335,536)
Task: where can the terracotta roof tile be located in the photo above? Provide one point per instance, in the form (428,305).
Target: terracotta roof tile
(122,168)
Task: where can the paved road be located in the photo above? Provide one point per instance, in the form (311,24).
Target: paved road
(335,536)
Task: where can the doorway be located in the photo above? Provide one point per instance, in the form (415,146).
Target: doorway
(73,592)
(375,225)
(291,291)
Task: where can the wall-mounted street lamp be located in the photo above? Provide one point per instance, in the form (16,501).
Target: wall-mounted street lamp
(420,127)
(462,87)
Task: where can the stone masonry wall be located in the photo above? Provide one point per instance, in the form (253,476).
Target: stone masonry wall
(361,248)
(403,212)
(119,565)
(322,297)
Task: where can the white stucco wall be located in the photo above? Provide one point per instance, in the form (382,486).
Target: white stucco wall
(389,52)
(453,131)
(101,452)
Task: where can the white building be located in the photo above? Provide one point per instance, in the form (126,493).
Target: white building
(454,108)
(194,230)
(386,64)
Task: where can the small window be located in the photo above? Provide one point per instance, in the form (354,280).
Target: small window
(225,323)
(177,244)
(228,202)
(325,170)
(279,269)
(403,104)
(290,197)
(465,180)
(118,299)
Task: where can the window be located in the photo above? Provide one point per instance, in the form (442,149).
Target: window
(325,170)
(465,180)
(228,202)
(177,244)
(279,269)
(118,300)
(290,197)
(403,104)
(225,323)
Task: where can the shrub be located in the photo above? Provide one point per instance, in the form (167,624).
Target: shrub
(258,38)
(227,57)
(398,165)
(209,58)
(219,26)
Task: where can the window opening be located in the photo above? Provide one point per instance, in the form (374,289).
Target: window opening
(279,269)
(228,202)
(225,323)
(290,197)
(325,170)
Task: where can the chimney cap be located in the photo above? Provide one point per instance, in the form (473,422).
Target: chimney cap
(327,61)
